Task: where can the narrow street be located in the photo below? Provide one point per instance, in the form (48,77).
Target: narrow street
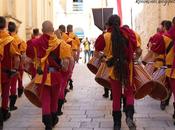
(86,109)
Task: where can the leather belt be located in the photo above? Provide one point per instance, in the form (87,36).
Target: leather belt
(52,69)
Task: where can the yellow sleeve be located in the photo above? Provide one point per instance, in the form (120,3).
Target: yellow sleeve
(74,45)
(65,50)
(77,41)
(138,39)
(1,51)
(23,46)
(14,49)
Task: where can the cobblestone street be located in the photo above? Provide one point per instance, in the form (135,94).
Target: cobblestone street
(86,109)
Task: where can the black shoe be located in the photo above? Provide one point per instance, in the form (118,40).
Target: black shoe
(117,119)
(60,105)
(174,112)
(47,120)
(65,100)
(5,114)
(20,91)
(106,93)
(129,117)
(124,103)
(13,99)
(54,119)
(111,96)
(163,105)
(1,120)
(71,84)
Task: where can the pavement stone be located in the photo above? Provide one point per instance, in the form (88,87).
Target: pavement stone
(86,109)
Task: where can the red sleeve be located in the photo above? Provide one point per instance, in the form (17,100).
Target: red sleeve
(158,44)
(100,43)
(30,51)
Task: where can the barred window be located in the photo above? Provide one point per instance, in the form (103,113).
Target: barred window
(77,0)
(78,5)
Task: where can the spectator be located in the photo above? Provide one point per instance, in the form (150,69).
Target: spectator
(86,50)
(92,48)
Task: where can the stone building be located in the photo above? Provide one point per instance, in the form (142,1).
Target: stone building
(149,18)
(28,14)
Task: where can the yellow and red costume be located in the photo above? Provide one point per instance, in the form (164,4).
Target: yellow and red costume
(45,51)
(9,52)
(165,46)
(22,46)
(103,43)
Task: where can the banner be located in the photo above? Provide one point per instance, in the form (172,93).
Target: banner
(119,8)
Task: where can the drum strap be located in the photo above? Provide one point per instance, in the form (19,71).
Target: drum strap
(169,47)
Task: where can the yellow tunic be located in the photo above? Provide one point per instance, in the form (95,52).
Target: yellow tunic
(108,53)
(5,39)
(159,61)
(65,50)
(169,58)
(75,39)
(53,43)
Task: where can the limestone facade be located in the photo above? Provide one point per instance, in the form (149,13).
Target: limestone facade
(28,14)
(147,21)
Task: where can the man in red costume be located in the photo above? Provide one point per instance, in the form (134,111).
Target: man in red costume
(29,65)
(45,51)
(22,47)
(165,45)
(159,60)
(75,45)
(9,56)
(119,45)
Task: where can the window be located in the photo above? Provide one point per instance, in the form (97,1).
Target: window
(78,1)
(77,5)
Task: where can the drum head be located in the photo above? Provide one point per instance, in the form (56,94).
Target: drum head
(103,82)
(32,98)
(159,92)
(92,68)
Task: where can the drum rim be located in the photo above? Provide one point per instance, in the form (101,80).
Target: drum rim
(37,103)
(163,86)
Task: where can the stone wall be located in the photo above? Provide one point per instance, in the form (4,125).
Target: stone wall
(31,13)
(147,21)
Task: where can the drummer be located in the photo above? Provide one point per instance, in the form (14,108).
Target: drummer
(165,45)
(65,73)
(159,60)
(48,77)
(119,49)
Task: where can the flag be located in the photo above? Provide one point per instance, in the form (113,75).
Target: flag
(119,8)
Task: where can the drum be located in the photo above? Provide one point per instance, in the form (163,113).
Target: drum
(102,76)
(142,82)
(31,93)
(149,57)
(28,65)
(94,63)
(149,67)
(161,89)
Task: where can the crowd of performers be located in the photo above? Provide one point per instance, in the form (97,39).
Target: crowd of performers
(50,59)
